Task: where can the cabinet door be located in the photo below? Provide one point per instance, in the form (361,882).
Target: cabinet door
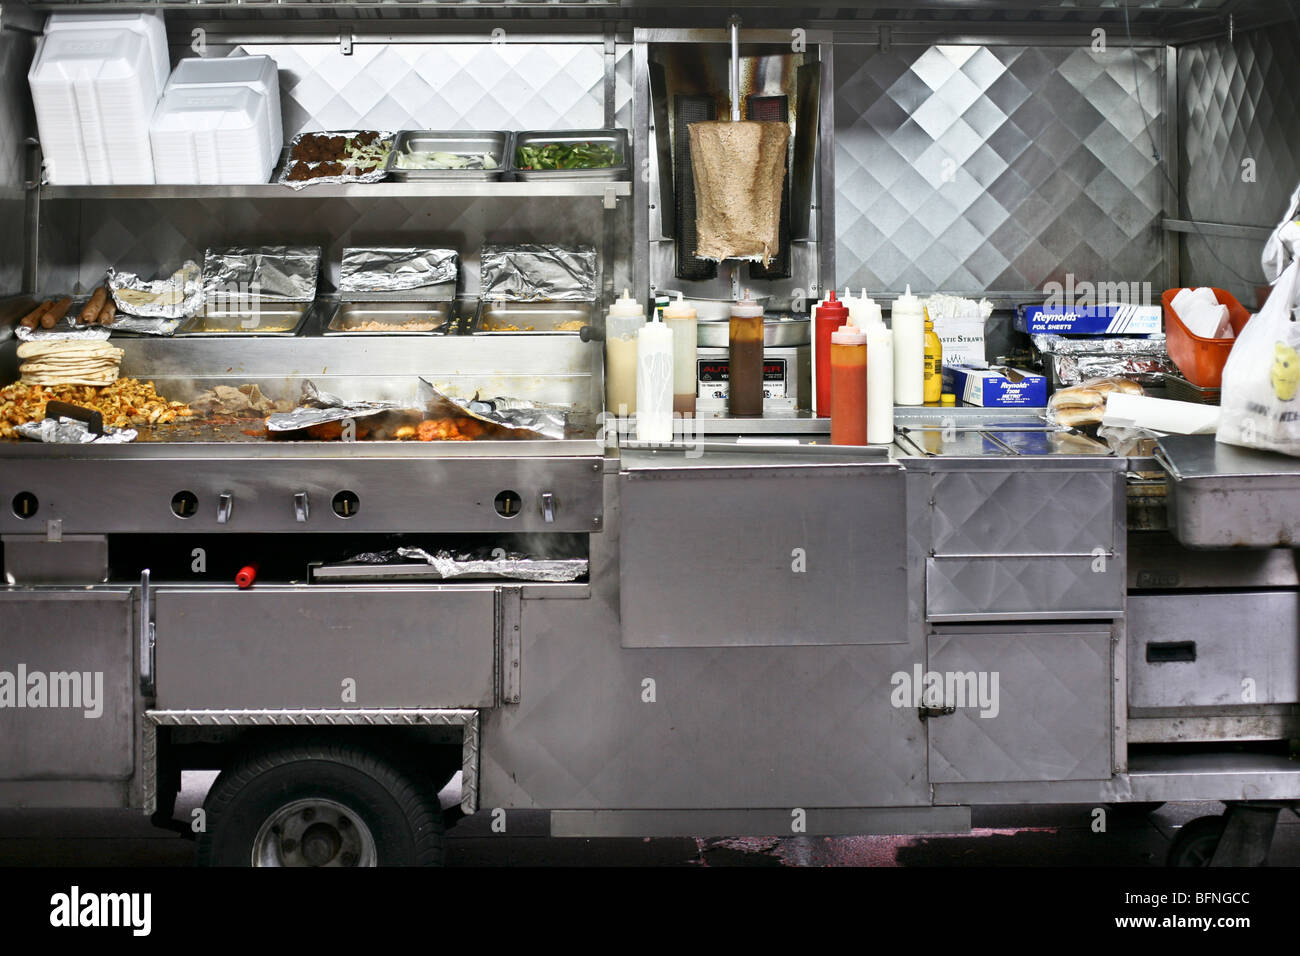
(1032,703)
(66,685)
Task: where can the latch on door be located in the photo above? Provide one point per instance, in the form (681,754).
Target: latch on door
(925,713)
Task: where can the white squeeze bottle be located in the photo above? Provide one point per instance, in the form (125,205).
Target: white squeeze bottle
(908,321)
(682,322)
(654,383)
(880,384)
(865,312)
(625,318)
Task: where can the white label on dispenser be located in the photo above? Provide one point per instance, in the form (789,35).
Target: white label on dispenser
(713,376)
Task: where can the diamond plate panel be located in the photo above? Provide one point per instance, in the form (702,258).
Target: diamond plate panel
(440,85)
(1023,512)
(1053,708)
(996,168)
(991,588)
(1236,103)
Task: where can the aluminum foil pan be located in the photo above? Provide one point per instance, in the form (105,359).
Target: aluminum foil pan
(478,563)
(1074,360)
(65,328)
(178,296)
(69,431)
(396,270)
(376,164)
(538,272)
(520,418)
(316,408)
(269,273)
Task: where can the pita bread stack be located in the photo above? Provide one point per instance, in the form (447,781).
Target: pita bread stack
(69,362)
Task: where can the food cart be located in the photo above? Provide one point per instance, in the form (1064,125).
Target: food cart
(767,634)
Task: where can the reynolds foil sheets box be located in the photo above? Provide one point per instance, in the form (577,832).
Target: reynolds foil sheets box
(995,387)
(1092,320)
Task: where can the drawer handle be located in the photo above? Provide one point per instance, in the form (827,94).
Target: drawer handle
(1169,652)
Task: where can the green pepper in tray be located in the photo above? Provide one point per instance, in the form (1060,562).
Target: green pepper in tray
(566,156)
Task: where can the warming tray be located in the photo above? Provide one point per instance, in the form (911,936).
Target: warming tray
(1222,496)
(350,316)
(451,141)
(532,317)
(616,138)
(269,318)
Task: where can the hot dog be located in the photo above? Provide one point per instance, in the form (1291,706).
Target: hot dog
(90,311)
(33,318)
(108,313)
(56,312)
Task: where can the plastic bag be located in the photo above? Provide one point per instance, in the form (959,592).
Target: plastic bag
(1280,250)
(1259,401)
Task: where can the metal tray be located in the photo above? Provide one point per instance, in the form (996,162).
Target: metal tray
(272,318)
(532,318)
(451,141)
(349,315)
(784,332)
(616,138)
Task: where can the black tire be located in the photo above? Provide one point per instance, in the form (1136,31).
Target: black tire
(1196,842)
(403,819)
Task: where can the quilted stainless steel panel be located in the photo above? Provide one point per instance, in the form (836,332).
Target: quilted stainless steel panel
(992,588)
(16,121)
(1236,103)
(1053,706)
(996,168)
(1023,512)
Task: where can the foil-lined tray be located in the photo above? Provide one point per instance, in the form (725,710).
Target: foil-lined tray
(386,274)
(390,318)
(250,319)
(538,272)
(533,318)
(295,166)
(236,274)
(1074,360)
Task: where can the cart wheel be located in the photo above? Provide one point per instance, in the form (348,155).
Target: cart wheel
(319,804)
(1196,842)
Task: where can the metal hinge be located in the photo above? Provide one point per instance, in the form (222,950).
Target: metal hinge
(345,41)
(925,713)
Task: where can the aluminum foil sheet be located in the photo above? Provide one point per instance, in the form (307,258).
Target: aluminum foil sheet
(65,328)
(481,563)
(295,167)
(1074,360)
(269,273)
(524,418)
(178,296)
(69,431)
(396,270)
(142,326)
(316,408)
(537,272)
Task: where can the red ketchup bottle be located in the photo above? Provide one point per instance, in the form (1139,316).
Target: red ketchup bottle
(831,315)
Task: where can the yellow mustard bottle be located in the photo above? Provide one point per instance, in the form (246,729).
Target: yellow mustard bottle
(933,362)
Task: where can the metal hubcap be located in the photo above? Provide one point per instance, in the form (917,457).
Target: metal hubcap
(314,832)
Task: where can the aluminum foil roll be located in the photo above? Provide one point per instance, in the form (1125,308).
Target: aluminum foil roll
(316,408)
(538,272)
(69,431)
(269,273)
(178,296)
(382,270)
(480,563)
(520,418)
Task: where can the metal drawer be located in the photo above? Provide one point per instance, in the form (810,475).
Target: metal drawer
(302,647)
(1214,650)
(1000,588)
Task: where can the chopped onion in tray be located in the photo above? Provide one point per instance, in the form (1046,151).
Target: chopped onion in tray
(443,160)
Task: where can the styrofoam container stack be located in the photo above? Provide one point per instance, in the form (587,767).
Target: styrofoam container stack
(95,81)
(218,122)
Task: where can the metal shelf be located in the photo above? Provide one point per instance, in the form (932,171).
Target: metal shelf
(609,192)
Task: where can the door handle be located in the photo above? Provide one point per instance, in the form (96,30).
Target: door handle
(147,636)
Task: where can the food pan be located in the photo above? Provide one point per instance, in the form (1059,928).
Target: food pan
(266,318)
(390,318)
(778,332)
(533,317)
(450,141)
(616,138)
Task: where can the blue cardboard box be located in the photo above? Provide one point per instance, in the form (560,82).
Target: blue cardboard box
(995,387)
(1095,320)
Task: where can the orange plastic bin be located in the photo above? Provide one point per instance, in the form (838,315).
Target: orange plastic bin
(1201,360)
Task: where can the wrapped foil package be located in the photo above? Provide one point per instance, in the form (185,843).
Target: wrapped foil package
(1074,360)
(520,418)
(384,270)
(480,563)
(141,326)
(178,296)
(69,431)
(537,272)
(349,163)
(317,408)
(269,273)
(64,329)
